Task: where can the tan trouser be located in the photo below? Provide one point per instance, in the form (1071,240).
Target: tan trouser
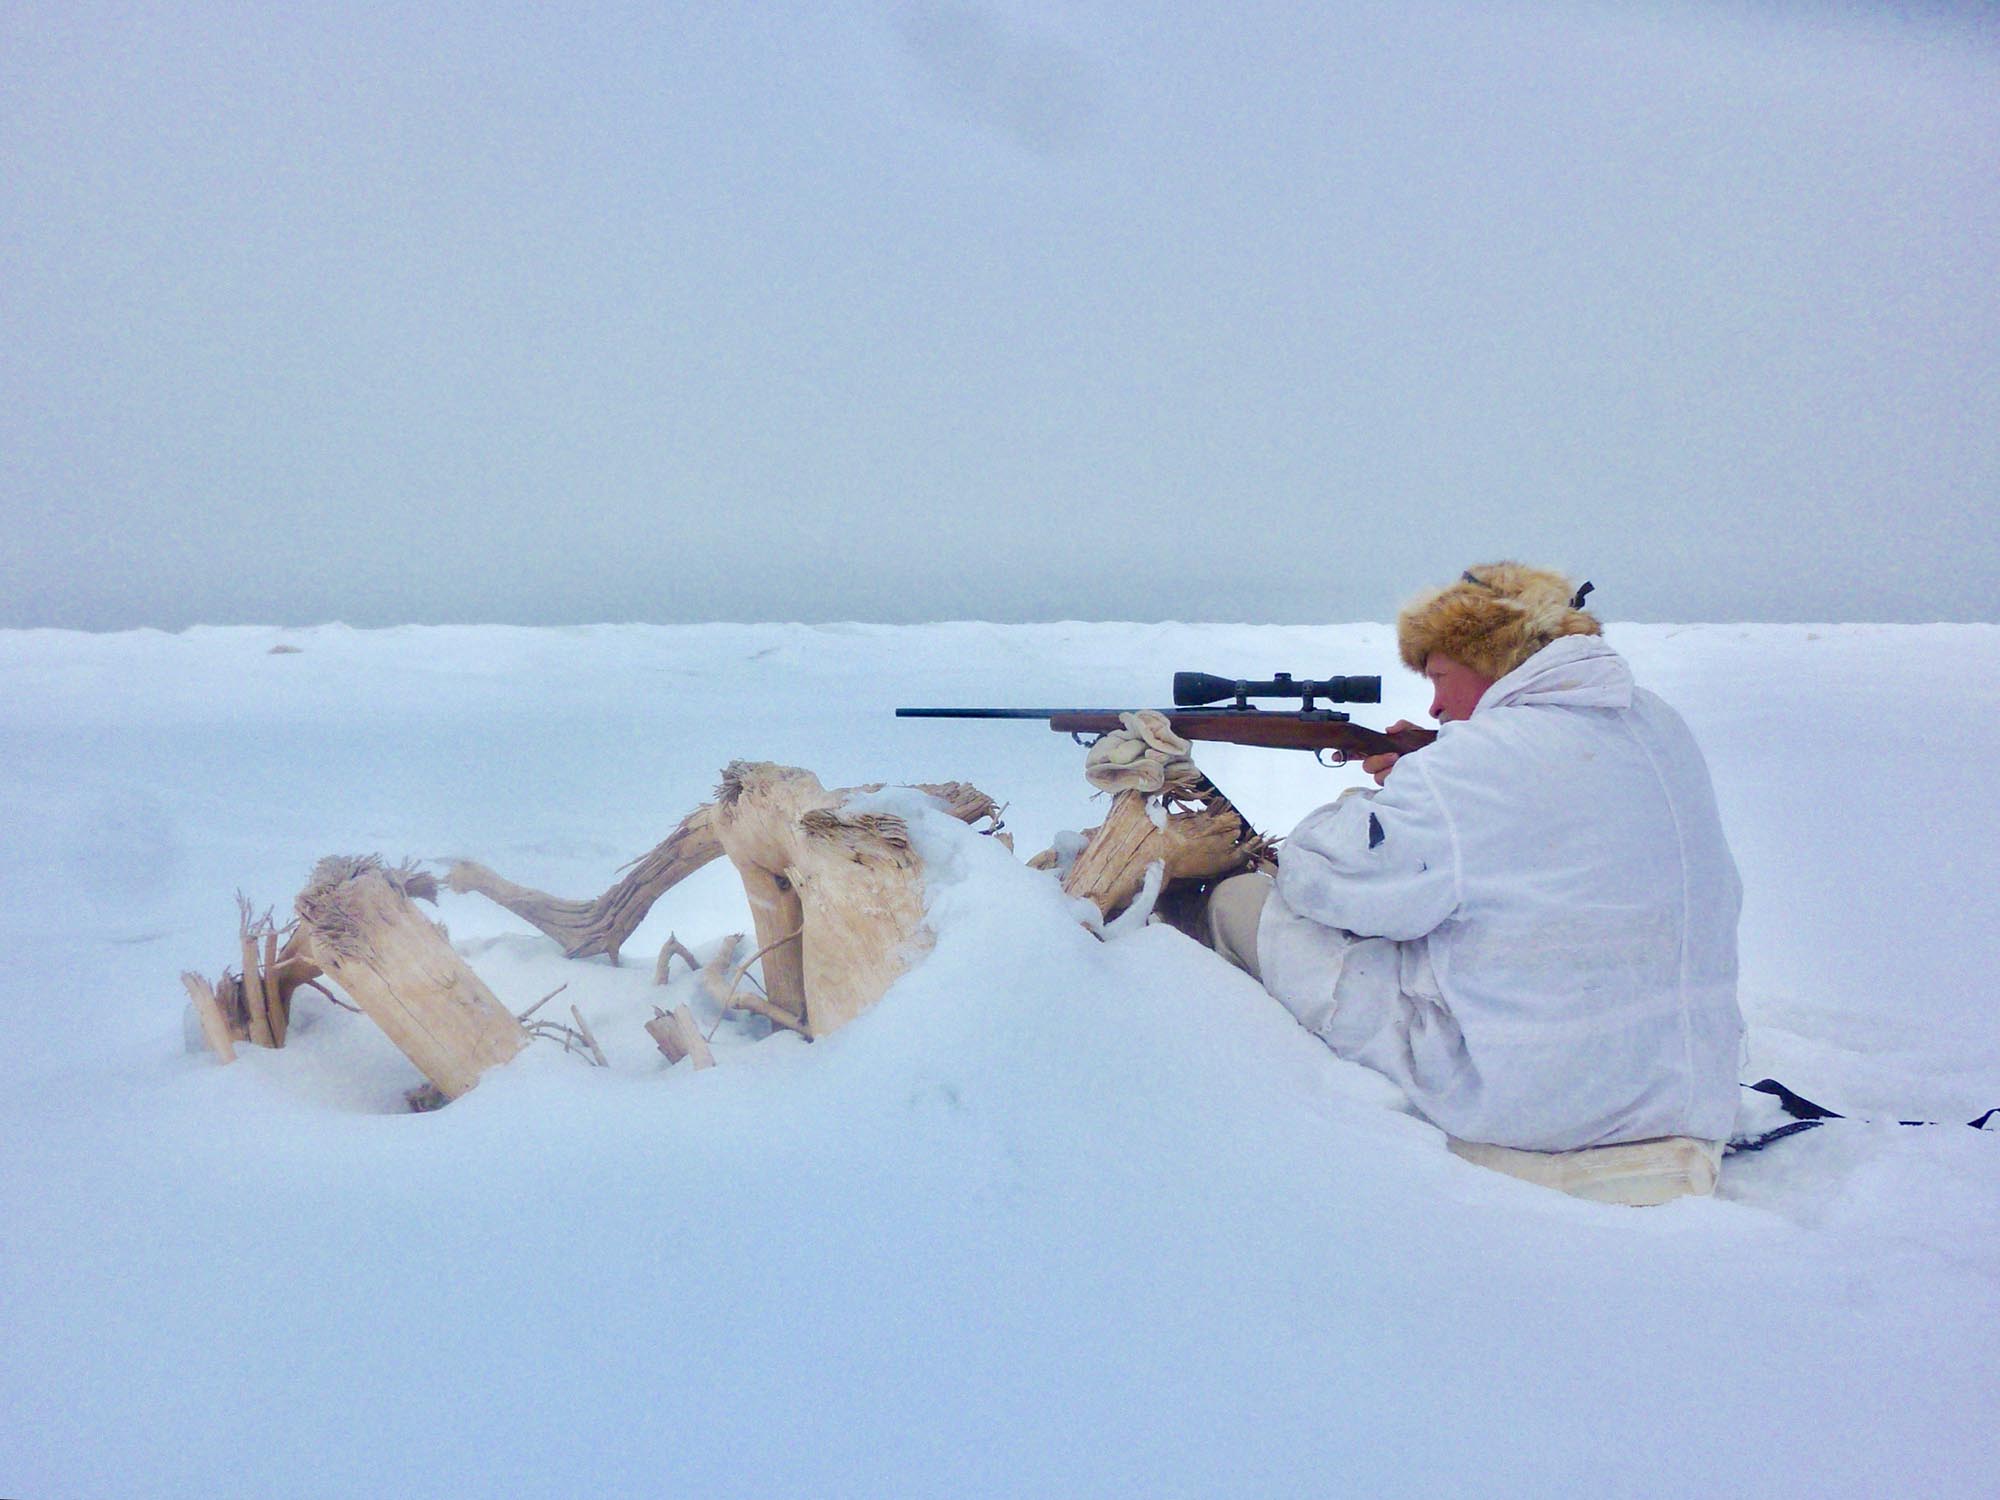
(1235,907)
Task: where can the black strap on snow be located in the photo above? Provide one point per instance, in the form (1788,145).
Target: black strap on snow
(1796,1105)
(1807,1115)
(1771,1137)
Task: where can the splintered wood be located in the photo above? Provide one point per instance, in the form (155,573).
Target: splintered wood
(267,1020)
(215,1025)
(400,969)
(1197,837)
(255,1004)
(836,896)
(677,1036)
(835,891)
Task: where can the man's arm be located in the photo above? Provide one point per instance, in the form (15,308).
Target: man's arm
(1381,864)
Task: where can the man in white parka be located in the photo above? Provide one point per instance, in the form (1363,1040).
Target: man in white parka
(1531,925)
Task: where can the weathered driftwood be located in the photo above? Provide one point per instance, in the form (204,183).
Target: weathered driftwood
(677,1036)
(255,1004)
(587,928)
(724,979)
(718,975)
(836,896)
(214,1023)
(289,968)
(265,1018)
(277,1000)
(671,949)
(589,1039)
(1198,837)
(360,927)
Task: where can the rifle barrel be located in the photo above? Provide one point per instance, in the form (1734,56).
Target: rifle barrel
(989,713)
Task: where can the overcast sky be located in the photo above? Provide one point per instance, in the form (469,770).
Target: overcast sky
(555,313)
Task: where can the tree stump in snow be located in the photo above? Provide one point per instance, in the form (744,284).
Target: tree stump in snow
(358,924)
(1196,834)
(837,896)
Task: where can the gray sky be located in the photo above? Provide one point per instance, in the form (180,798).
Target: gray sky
(899,311)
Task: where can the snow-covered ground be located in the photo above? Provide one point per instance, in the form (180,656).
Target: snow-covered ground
(1056,1217)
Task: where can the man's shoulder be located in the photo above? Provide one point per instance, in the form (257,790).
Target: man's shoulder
(1664,723)
(1507,724)
(1510,740)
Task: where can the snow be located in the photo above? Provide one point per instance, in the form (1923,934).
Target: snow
(1057,1216)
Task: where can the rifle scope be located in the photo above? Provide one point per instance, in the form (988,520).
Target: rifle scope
(1192,689)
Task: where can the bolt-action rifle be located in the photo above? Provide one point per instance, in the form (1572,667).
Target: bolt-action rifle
(1218,709)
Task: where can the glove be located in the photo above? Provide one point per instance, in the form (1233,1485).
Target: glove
(1145,756)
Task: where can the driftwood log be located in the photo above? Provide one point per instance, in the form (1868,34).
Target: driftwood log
(1196,834)
(835,892)
(358,923)
(588,928)
(836,895)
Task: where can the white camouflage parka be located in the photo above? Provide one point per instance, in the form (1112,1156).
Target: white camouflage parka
(1531,926)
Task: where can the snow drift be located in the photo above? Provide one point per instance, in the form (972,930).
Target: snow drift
(1055,1216)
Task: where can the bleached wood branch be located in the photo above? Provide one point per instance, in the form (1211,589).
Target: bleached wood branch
(523,1016)
(583,1030)
(673,948)
(587,928)
(603,924)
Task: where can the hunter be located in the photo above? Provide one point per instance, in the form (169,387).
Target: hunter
(1531,925)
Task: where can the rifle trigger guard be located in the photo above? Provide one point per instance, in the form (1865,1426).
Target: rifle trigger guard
(1078,737)
(1339,758)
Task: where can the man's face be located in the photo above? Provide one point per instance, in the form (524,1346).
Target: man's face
(1455,688)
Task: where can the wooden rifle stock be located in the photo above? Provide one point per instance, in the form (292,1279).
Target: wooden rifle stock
(1313,730)
(1261,727)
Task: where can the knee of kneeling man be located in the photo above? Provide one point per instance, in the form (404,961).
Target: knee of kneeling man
(1235,909)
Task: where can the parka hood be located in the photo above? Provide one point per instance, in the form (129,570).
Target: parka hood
(1577,671)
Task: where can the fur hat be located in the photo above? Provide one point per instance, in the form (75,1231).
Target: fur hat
(1493,619)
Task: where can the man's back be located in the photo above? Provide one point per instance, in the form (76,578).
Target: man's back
(1557,873)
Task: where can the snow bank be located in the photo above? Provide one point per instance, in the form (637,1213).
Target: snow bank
(1056,1216)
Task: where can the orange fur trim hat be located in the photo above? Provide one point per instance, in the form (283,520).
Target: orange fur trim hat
(1494,618)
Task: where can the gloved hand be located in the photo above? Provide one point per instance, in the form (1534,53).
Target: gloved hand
(1145,756)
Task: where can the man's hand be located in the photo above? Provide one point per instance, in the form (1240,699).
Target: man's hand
(1379,766)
